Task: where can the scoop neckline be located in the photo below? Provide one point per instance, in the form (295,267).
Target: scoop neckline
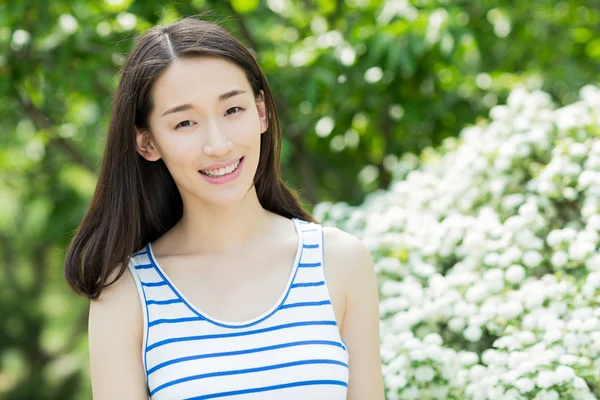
(234,324)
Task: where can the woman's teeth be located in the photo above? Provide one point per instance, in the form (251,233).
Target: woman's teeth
(221,171)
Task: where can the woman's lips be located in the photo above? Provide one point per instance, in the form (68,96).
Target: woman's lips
(227,177)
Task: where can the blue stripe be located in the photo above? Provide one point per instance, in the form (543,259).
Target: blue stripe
(310,230)
(308,284)
(306,304)
(144,266)
(311,246)
(267,388)
(244,371)
(146,328)
(309,265)
(139,253)
(234,334)
(154,284)
(171,301)
(344,345)
(174,320)
(240,352)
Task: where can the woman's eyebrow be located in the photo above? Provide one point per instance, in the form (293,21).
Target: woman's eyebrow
(231,93)
(222,97)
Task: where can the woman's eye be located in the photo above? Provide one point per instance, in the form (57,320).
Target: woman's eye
(184,124)
(233,108)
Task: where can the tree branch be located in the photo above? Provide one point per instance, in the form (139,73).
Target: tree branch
(9,263)
(385,124)
(42,121)
(244,31)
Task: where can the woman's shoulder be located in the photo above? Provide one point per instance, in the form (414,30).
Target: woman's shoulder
(115,337)
(346,255)
(118,303)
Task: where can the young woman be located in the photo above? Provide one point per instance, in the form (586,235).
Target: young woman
(243,295)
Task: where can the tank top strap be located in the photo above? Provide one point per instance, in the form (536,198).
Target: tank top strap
(145,273)
(312,245)
(309,287)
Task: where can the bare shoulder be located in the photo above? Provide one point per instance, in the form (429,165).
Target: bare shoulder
(352,263)
(115,328)
(347,254)
(118,301)
(116,315)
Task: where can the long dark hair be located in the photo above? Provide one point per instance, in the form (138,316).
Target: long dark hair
(137,201)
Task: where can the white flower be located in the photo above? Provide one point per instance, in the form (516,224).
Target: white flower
(526,337)
(559,259)
(476,293)
(424,373)
(491,357)
(567,359)
(594,222)
(473,333)
(510,377)
(477,372)
(526,367)
(418,355)
(396,381)
(554,238)
(433,338)
(577,149)
(552,336)
(494,279)
(579,383)
(511,309)
(457,324)
(580,250)
(534,299)
(525,385)
(571,341)
(410,393)
(467,358)
(547,395)
(491,259)
(564,373)
(512,394)
(532,259)
(439,391)
(545,379)
(495,392)
(515,273)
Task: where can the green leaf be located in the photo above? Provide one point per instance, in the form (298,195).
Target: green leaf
(244,6)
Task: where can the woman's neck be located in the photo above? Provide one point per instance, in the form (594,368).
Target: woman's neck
(219,229)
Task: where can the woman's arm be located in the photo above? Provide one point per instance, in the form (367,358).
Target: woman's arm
(360,326)
(115,343)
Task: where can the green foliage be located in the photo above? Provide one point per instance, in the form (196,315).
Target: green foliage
(357,83)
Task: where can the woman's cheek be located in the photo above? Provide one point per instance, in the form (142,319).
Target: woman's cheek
(245,129)
(185,144)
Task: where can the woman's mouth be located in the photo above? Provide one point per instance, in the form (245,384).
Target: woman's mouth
(223,175)
(216,173)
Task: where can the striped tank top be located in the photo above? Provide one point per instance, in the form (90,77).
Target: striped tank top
(293,351)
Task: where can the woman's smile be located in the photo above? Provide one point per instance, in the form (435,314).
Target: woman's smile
(224,174)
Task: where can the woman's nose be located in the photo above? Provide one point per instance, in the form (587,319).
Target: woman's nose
(217,143)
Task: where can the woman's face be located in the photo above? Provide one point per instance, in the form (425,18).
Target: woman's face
(205,125)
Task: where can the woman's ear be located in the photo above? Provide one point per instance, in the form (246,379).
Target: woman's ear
(144,145)
(263,114)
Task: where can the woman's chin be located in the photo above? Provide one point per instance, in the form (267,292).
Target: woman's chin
(223,198)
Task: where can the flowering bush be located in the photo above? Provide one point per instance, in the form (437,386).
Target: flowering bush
(487,250)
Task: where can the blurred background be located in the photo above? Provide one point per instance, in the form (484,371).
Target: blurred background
(358,83)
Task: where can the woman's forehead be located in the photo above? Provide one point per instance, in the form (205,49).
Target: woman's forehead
(198,78)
